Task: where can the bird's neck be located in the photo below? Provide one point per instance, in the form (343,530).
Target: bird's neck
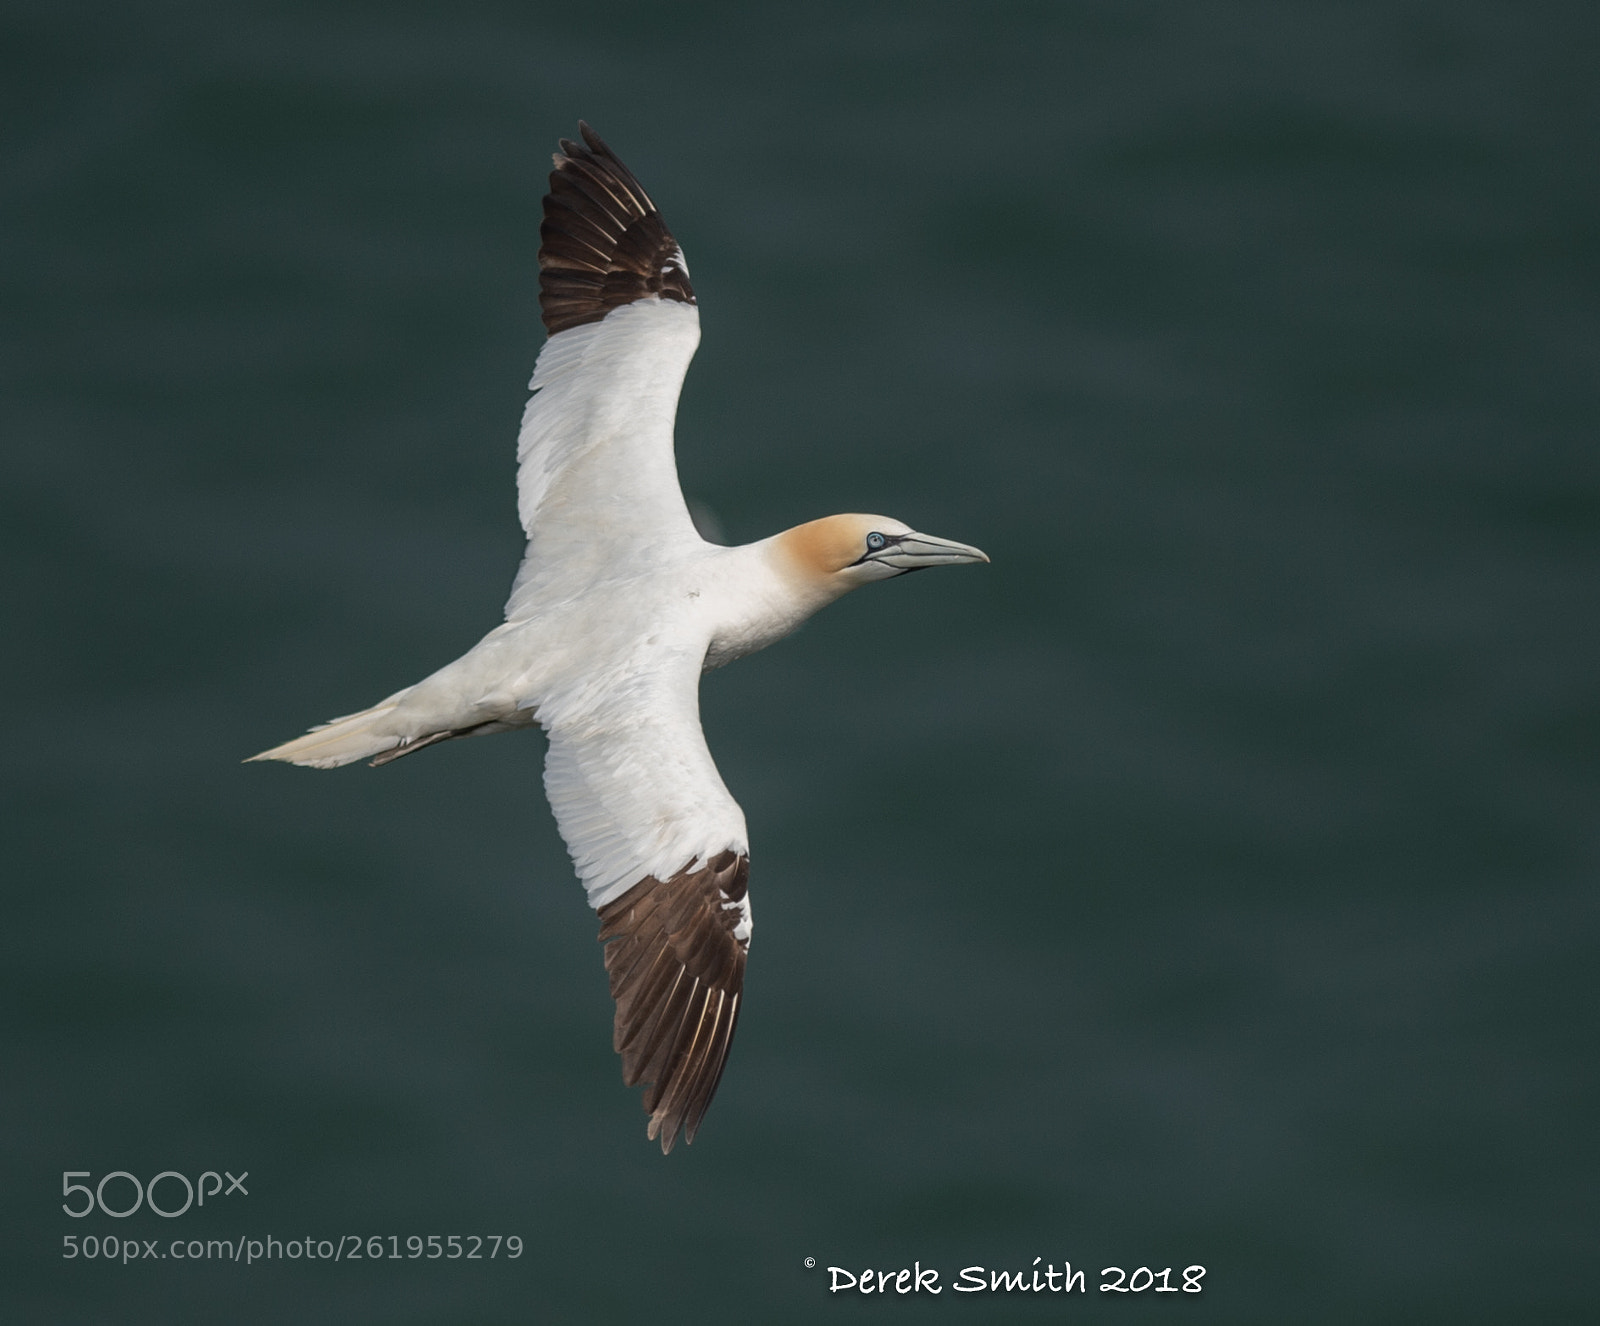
(766,594)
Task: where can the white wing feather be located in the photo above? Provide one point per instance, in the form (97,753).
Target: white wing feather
(597,482)
(630,778)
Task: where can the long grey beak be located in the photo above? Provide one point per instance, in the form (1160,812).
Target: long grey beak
(918,552)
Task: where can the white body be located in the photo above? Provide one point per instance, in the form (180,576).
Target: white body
(617,609)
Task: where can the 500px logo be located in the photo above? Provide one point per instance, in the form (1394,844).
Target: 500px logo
(144,1194)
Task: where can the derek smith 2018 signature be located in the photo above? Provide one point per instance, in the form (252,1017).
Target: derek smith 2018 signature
(1040,1278)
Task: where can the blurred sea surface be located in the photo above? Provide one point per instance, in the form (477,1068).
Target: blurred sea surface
(1208,881)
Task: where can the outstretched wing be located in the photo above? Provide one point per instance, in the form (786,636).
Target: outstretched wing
(597,485)
(675,952)
(660,846)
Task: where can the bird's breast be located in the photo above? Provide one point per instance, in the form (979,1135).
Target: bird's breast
(750,612)
(741,638)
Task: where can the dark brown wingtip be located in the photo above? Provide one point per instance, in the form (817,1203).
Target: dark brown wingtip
(603,244)
(677,975)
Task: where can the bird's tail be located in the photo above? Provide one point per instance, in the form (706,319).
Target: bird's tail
(341,741)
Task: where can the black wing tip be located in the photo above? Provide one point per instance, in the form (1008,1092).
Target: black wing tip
(596,154)
(639,258)
(592,141)
(675,1032)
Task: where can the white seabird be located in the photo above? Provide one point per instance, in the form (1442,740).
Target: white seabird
(617,609)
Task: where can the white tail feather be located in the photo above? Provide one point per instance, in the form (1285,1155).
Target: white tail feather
(341,740)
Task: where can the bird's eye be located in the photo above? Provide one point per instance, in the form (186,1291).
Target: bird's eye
(875,540)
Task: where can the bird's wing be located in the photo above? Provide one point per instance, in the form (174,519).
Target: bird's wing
(675,953)
(660,845)
(597,485)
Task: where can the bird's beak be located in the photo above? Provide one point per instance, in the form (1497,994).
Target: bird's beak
(918,552)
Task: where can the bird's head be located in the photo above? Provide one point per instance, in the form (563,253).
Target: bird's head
(842,553)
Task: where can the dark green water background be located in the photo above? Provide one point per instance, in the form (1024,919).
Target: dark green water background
(1209,881)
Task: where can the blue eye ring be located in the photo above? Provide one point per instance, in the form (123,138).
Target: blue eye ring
(875,541)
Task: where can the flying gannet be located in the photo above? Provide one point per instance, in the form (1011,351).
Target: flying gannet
(617,609)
